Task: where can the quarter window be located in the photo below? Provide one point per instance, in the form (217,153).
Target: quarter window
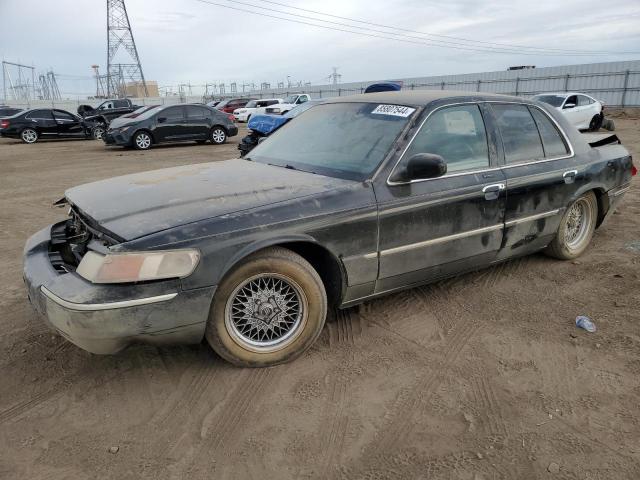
(519,133)
(457,134)
(554,145)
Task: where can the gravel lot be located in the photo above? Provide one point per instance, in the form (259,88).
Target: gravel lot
(483,376)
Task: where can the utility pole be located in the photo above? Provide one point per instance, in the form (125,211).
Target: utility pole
(119,34)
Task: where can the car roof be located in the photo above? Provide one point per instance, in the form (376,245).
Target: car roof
(419,98)
(563,94)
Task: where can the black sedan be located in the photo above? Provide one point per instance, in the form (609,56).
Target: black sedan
(356,198)
(176,123)
(32,125)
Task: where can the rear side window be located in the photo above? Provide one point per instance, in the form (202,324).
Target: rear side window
(196,112)
(584,100)
(272,102)
(457,134)
(40,115)
(519,133)
(172,114)
(554,145)
(121,103)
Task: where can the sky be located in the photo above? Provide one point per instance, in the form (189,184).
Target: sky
(191,41)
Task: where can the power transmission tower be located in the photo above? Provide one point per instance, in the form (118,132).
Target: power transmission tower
(100,82)
(335,76)
(119,34)
(21,88)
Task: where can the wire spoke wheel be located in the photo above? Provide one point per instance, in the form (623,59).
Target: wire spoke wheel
(578,219)
(266,312)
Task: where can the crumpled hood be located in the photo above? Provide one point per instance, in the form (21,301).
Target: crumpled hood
(136,205)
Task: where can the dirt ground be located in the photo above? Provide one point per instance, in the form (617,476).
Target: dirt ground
(480,377)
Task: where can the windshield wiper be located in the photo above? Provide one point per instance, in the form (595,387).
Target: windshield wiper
(291,167)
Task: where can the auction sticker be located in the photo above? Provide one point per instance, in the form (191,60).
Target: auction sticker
(395,110)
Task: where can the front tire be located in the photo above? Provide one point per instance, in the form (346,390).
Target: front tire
(269,310)
(596,123)
(576,229)
(142,141)
(218,136)
(29,135)
(98,132)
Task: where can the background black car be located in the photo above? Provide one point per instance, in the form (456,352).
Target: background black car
(31,125)
(175,123)
(6,111)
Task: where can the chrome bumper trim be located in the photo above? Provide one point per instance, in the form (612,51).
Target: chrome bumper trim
(91,307)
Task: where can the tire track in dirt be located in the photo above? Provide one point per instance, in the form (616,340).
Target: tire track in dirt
(220,437)
(335,423)
(345,328)
(484,396)
(400,422)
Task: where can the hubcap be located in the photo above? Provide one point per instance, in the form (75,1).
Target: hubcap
(143,141)
(266,312)
(29,136)
(577,226)
(98,133)
(218,136)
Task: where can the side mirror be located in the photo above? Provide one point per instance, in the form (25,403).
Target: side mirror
(162,119)
(421,166)
(569,105)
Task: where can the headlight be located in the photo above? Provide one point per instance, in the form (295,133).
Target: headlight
(275,110)
(138,266)
(124,129)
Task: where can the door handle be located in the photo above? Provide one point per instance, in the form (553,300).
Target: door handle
(491,192)
(570,176)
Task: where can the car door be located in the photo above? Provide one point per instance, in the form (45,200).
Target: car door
(68,125)
(170,124)
(571,110)
(198,123)
(541,175)
(586,109)
(441,226)
(43,122)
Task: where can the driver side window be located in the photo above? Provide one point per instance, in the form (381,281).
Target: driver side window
(457,134)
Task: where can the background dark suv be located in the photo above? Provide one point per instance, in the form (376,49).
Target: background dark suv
(175,123)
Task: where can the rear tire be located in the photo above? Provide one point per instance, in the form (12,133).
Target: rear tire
(576,229)
(269,310)
(218,135)
(142,141)
(29,135)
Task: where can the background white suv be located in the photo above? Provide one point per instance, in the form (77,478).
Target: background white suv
(583,111)
(254,106)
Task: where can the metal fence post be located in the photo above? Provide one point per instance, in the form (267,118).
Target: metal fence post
(442,86)
(625,86)
(566,83)
(478,87)
(339,91)
(517,83)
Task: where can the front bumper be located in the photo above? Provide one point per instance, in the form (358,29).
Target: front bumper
(116,138)
(233,131)
(105,319)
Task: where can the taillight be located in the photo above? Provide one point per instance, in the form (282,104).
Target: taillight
(4,123)
(634,170)
(231,117)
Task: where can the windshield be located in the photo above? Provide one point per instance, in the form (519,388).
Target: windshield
(553,100)
(251,104)
(149,113)
(344,140)
(291,99)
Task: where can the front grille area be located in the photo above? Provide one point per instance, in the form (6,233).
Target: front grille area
(69,242)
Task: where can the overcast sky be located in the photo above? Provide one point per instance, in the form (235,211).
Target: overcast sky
(190,41)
